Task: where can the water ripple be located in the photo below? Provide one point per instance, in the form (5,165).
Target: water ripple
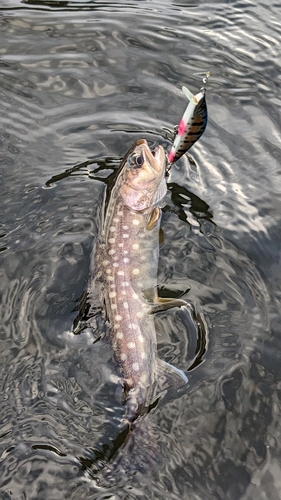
(80,80)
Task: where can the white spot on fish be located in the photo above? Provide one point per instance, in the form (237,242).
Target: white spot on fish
(135,367)
(126,260)
(120,213)
(140,314)
(115,219)
(135,246)
(119,335)
(135,296)
(125,283)
(125,235)
(118,317)
(120,245)
(108,271)
(111,252)
(136,222)
(112,295)
(143,355)
(120,273)
(123,356)
(124,292)
(143,377)
(105,262)
(125,305)
(131,345)
(110,278)
(111,240)
(113,307)
(136,271)
(112,229)
(125,227)
(115,264)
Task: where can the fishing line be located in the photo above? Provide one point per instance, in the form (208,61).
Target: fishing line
(179,143)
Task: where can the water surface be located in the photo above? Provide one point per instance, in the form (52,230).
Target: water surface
(80,81)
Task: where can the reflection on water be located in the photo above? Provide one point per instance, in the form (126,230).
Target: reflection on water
(80,81)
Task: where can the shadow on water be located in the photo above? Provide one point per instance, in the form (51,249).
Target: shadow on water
(72,5)
(104,165)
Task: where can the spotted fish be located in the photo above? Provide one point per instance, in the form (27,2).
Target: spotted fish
(127,260)
(191,126)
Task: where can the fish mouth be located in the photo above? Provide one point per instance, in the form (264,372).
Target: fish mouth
(156,158)
(160,157)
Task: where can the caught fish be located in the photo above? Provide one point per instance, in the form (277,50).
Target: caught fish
(192,124)
(127,260)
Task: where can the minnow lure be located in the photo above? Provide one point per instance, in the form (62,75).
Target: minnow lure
(192,124)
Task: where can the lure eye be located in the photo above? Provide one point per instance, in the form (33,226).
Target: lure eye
(135,160)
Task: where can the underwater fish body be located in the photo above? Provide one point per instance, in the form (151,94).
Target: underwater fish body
(127,261)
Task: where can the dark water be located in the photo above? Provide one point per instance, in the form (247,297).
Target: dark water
(80,81)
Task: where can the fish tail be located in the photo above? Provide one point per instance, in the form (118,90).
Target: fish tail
(139,453)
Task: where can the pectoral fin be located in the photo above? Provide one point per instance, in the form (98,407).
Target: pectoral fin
(162,304)
(153,219)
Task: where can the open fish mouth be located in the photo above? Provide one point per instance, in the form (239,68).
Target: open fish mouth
(156,158)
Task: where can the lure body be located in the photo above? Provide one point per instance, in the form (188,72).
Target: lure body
(191,126)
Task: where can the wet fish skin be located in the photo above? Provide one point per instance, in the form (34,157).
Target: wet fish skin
(127,260)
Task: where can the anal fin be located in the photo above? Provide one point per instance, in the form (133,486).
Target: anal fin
(169,377)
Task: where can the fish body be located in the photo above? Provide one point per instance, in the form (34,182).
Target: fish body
(191,126)
(127,260)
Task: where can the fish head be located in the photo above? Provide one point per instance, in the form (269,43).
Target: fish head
(142,182)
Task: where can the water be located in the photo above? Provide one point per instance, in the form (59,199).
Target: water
(80,81)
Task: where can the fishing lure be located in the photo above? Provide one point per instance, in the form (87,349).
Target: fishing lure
(192,124)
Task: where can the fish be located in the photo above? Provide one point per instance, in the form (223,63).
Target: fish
(192,125)
(126,269)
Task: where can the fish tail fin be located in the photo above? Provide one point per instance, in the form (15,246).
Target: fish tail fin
(134,449)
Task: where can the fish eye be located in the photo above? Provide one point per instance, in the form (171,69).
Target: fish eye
(135,160)
(139,160)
